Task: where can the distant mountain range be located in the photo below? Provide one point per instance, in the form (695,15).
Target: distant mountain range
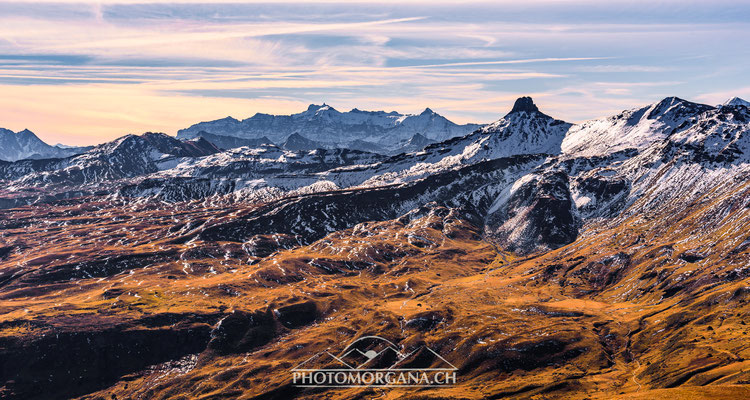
(25,144)
(318,127)
(378,131)
(550,161)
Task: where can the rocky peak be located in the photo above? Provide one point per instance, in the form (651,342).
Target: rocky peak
(419,140)
(736,101)
(524,104)
(296,142)
(676,108)
(314,108)
(27,136)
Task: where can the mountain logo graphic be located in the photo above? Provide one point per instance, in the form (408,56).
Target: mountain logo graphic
(373,361)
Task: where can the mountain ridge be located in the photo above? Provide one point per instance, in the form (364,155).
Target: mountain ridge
(563,174)
(26,144)
(326,125)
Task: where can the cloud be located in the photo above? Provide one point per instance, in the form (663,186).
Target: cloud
(718,97)
(192,36)
(92,71)
(504,62)
(95,112)
(623,68)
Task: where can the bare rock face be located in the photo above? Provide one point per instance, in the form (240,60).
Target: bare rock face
(524,104)
(539,214)
(242,331)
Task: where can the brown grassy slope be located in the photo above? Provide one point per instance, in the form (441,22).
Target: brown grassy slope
(631,308)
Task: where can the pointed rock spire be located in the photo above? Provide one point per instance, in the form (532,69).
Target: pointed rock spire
(524,104)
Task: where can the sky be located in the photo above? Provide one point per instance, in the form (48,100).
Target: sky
(83,73)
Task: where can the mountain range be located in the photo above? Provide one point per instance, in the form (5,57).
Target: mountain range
(542,258)
(592,169)
(329,128)
(323,127)
(24,144)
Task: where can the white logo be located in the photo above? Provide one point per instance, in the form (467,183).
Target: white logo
(372,361)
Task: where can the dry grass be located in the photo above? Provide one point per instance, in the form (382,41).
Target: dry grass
(628,310)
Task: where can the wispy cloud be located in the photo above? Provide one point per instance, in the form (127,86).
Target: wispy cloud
(503,62)
(84,72)
(195,35)
(623,68)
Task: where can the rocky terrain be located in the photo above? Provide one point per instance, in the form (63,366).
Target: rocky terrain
(543,259)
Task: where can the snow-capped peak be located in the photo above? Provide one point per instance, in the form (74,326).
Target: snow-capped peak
(631,129)
(297,142)
(673,108)
(332,128)
(25,132)
(527,130)
(314,108)
(25,144)
(736,101)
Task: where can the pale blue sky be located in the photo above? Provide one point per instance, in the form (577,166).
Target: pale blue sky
(83,73)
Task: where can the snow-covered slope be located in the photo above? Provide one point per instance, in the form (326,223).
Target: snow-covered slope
(736,101)
(718,135)
(471,171)
(331,128)
(249,174)
(706,154)
(663,157)
(537,211)
(268,160)
(524,130)
(128,156)
(295,141)
(416,143)
(25,144)
(532,180)
(636,128)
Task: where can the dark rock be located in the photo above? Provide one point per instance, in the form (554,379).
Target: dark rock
(241,331)
(296,315)
(296,141)
(525,104)
(426,321)
(68,364)
(538,215)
